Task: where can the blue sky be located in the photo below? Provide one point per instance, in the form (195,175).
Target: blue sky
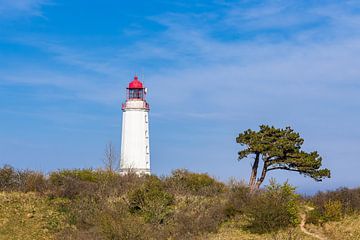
(213,69)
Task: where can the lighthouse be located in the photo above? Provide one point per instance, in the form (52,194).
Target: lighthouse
(135,148)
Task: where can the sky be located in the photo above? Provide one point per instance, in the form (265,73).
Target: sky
(213,69)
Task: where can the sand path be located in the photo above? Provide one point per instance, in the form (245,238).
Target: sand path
(302,225)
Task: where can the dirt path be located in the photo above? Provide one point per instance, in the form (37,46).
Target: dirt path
(304,230)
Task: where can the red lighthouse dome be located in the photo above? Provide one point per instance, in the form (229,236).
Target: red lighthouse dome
(135,84)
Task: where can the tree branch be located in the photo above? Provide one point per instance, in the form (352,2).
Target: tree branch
(284,168)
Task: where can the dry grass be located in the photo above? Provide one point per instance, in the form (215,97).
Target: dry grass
(237,230)
(346,229)
(27,216)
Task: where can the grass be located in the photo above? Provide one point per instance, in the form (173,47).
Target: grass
(235,230)
(346,229)
(29,216)
(32,216)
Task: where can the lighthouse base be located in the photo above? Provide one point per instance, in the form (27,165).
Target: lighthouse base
(137,171)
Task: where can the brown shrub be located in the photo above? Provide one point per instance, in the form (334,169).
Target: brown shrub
(196,215)
(347,202)
(238,199)
(31,181)
(17,180)
(8,178)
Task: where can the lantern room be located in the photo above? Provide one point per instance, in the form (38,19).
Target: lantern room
(136,90)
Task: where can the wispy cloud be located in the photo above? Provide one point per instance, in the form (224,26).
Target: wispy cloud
(213,72)
(190,52)
(21,8)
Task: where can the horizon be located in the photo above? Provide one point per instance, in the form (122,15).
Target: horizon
(213,69)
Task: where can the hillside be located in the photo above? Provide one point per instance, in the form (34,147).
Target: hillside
(27,216)
(87,204)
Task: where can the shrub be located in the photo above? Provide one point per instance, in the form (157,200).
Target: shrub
(184,182)
(238,199)
(334,205)
(273,209)
(151,200)
(314,216)
(88,175)
(31,181)
(333,210)
(8,178)
(62,184)
(195,215)
(25,181)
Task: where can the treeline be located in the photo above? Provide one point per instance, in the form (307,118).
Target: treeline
(104,205)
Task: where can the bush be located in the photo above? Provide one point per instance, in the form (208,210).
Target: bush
(238,199)
(151,200)
(71,184)
(196,215)
(314,217)
(25,181)
(87,175)
(31,181)
(184,182)
(8,178)
(333,211)
(273,209)
(334,205)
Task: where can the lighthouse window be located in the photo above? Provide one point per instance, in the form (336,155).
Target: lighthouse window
(146,118)
(136,93)
(146,134)
(147,149)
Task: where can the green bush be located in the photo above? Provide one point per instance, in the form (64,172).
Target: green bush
(333,210)
(273,209)
(88,175)
(182,181)
(151,200)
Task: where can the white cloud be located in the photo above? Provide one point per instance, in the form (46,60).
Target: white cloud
(195,62)
(20,8)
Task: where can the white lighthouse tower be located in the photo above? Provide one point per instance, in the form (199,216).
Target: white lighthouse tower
(135,149)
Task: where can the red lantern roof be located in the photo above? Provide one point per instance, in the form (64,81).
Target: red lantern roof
(135,84)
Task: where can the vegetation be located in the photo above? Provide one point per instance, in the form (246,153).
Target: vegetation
(278,149)
(96,204)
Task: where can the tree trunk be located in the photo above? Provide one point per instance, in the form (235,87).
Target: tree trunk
(254,172)
(263,174)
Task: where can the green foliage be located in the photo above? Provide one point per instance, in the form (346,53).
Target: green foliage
(184,182)
(273,209)
(88,175)
(280,149)
(333,210)
(151,200)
